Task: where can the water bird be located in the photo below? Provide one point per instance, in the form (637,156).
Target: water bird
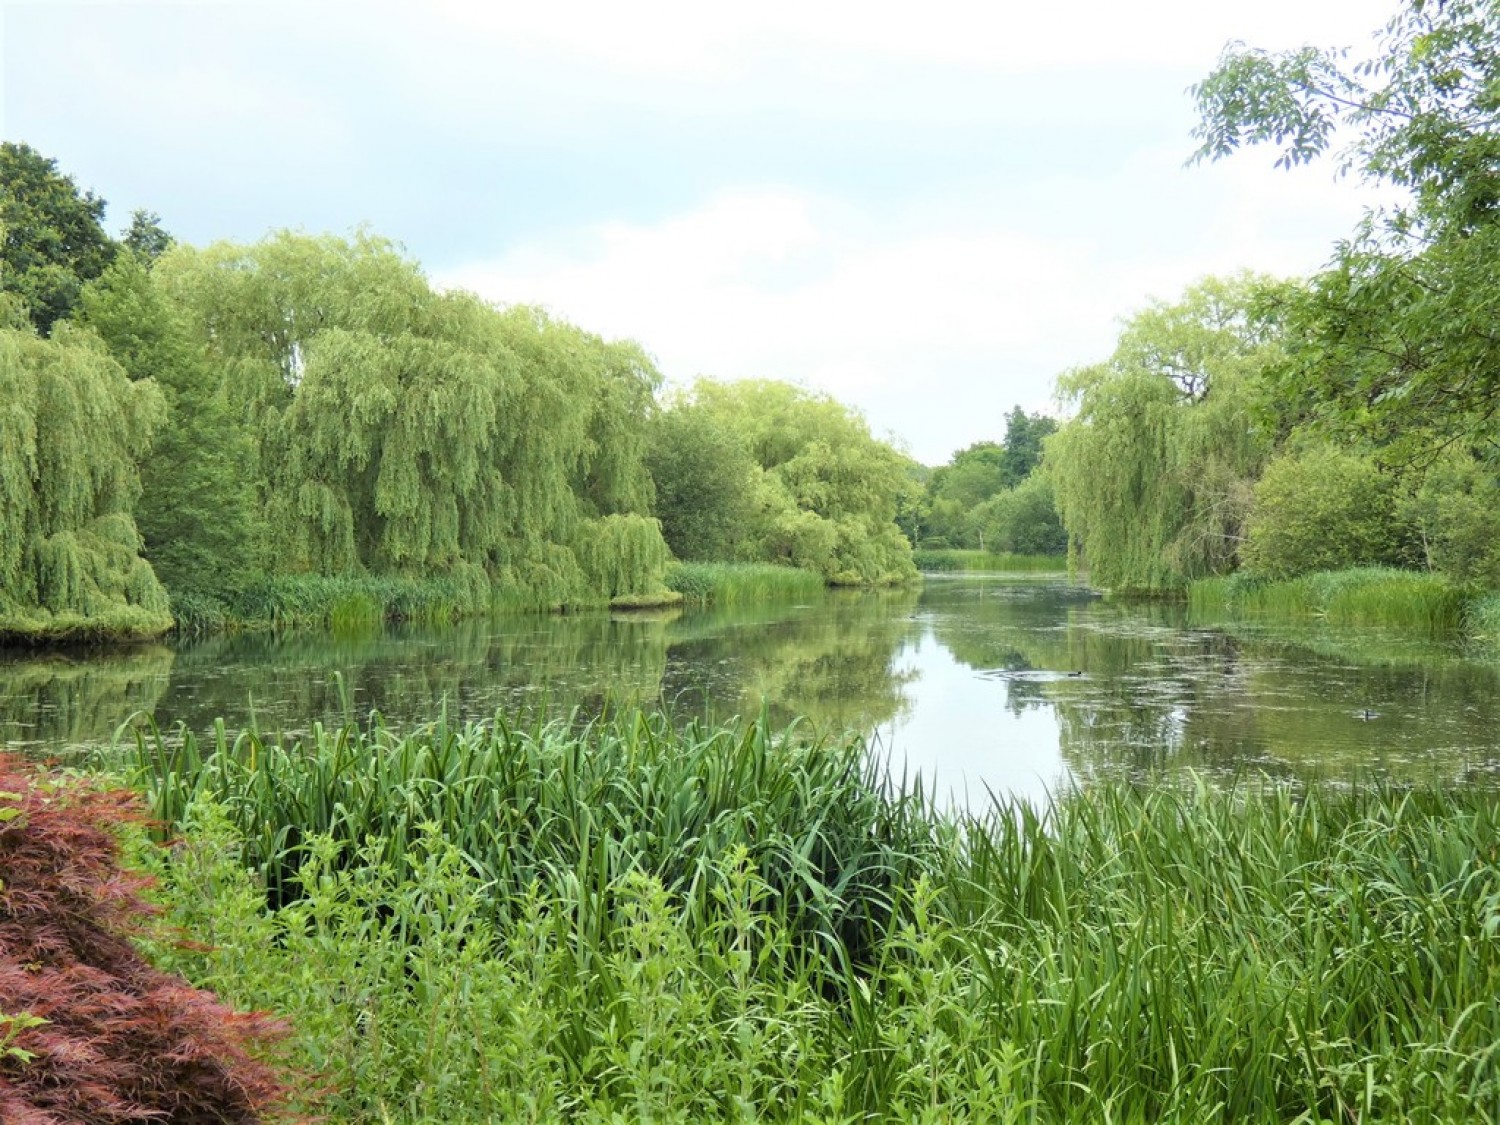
(1366,714)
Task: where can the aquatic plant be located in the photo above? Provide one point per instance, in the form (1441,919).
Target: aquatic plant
(728,584)
(1178,955)
(591,802)
(1415,600)
(954,559)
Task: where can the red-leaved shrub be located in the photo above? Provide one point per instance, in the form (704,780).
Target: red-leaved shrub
(123,1041)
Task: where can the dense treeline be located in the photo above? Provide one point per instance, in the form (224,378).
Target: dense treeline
(304,427)
(1184,460)
(245,418)
(766,471)
(1345,420)
(994,496)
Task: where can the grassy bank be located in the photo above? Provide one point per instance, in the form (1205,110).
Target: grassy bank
(32,627)
(731,584)
(625,922)
(928,559)
(1422,602)
(349,602)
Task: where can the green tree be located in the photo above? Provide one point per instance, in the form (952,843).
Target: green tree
(827,492)
(1322,508)
(1394,340)
(146,237)
(948,511)
(1022,447)
(1152,476)
(973,476)
(954,490)
(705,483)
(1023,520)
(402,431)
(53,237)
(196,512)
(1455,513)
(71,427)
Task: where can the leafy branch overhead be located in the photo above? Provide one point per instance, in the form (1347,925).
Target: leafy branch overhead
(1399,337)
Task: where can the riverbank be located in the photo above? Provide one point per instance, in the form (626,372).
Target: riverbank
(1424,602)
(342,604)
(956,559)
(33,627)
(733,922)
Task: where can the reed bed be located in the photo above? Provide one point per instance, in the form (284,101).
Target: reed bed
(356,602)
(954,559)
(729,584)
(591,802)
(1482,619)
(1374,596)
(619,921)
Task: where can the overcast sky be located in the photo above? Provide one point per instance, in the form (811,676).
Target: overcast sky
(928,210)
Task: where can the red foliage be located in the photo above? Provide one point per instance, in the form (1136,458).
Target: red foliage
(124,1041)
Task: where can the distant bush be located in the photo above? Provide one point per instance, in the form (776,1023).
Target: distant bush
(943,560)
(1324,509)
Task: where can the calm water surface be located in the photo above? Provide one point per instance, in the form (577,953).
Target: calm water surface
(975,684)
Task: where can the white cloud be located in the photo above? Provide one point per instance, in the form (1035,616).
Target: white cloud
(723,39)
(934,323)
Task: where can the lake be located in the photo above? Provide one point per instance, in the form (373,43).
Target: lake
(975,683)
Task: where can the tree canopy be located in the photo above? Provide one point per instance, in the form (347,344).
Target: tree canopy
(402,431)
(962,501)
(196,511)
(1153,475)
(824,492)
(71,426)
(52,238)
(1396,339)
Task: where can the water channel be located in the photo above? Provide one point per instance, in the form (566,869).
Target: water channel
(977,684)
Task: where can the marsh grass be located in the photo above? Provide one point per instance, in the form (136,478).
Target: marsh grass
(727,584)
(1482,619)
(617,921)
(1376,596)
(954,559)
(589,801)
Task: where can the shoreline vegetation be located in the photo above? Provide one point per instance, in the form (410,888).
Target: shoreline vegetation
(623,919)
(947,560)
(350,603)
(1425,604)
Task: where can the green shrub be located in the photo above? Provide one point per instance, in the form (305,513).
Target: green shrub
(1324,509)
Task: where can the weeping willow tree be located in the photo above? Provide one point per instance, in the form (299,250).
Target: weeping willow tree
(71,427)
(824,492)
(1154,475)
(403,431)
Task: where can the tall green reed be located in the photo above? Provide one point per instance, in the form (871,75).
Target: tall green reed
(730,584)
(565,800)
(1177,955)
(1375,596)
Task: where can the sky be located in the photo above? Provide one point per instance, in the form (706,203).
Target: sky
(928,210)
